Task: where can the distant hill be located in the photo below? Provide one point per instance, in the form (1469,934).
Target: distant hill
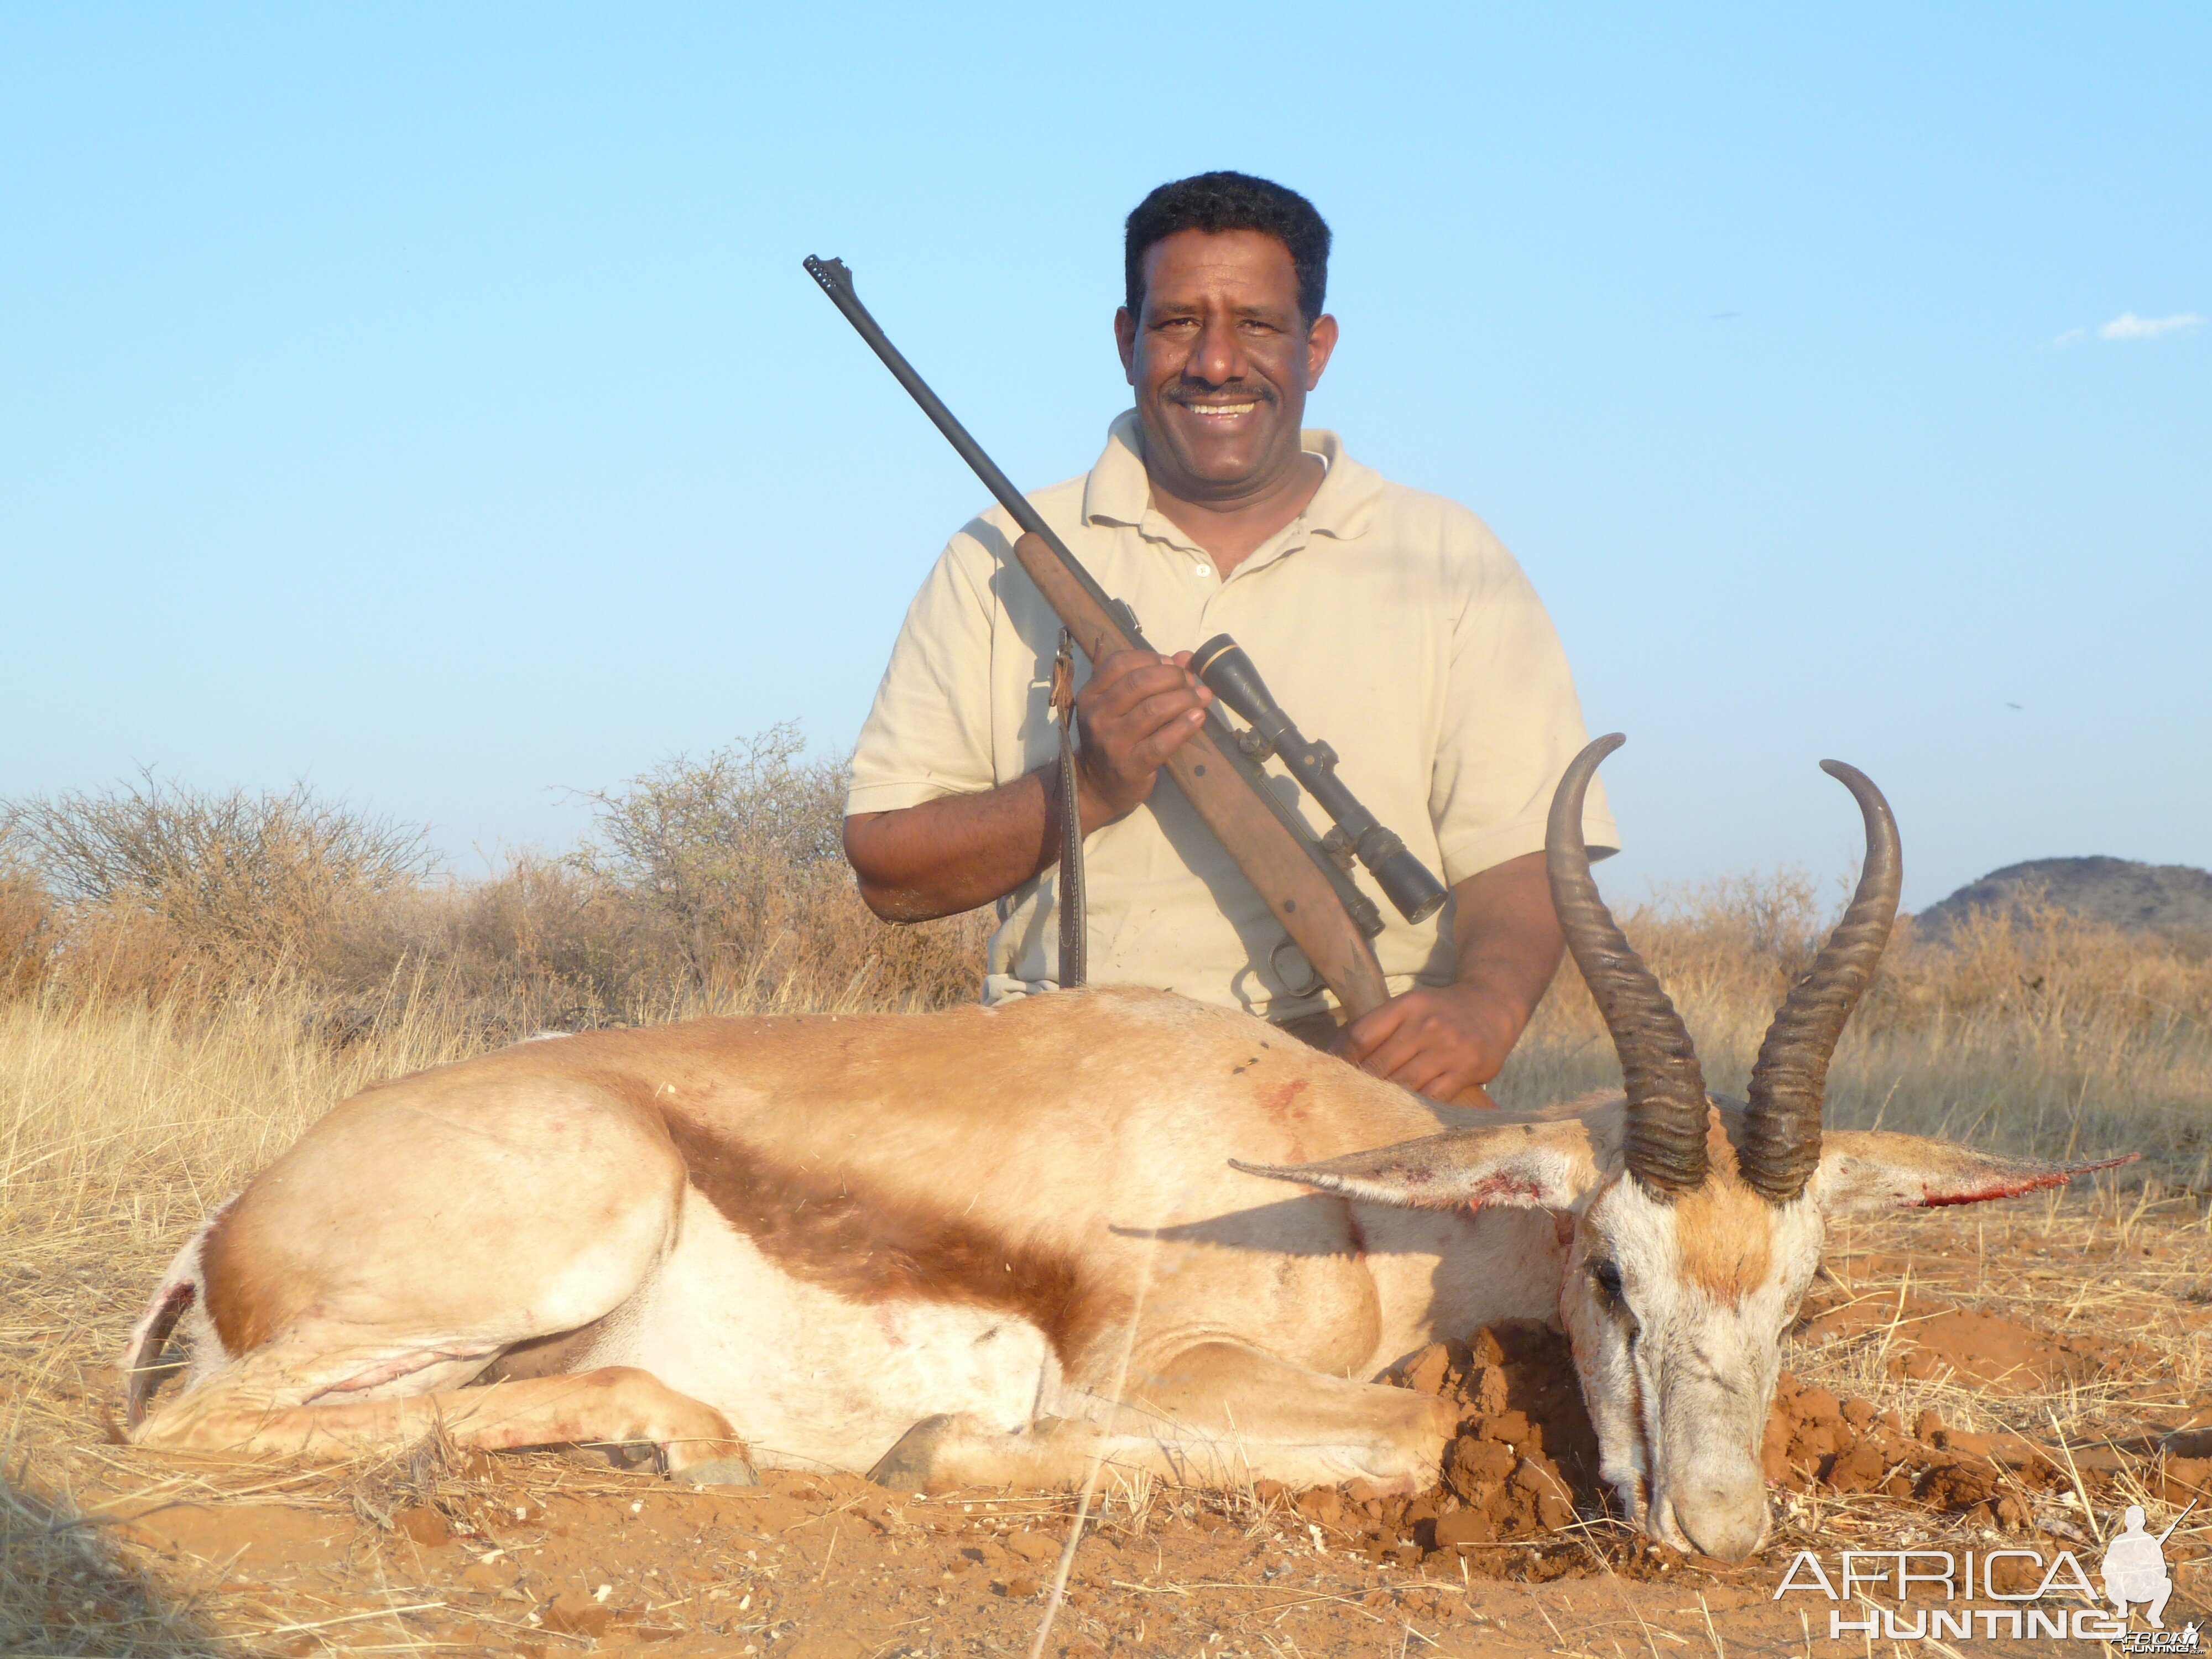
(2173,899)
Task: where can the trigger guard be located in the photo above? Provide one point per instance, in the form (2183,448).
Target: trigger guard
(1314,982)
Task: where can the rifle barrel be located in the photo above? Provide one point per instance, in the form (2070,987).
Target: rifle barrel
(837,282)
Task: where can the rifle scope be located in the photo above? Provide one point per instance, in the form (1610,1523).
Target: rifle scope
(1405,880)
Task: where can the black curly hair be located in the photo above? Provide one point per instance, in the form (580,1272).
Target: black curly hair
(1215,201)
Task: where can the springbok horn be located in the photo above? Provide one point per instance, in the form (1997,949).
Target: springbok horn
(1664,1143)
(1782,1134)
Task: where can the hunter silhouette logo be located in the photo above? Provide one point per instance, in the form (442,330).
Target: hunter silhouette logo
(2134,1567)
(2135,1574)
(2007,1593)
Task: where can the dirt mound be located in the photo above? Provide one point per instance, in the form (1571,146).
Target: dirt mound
(1524,1463)
(1815,1440)
(1525,1455)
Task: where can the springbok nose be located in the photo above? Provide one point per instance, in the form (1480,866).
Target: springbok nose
(1725,1522)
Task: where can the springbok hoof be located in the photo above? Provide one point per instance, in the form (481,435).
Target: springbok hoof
(719,1472)
(612,1453)
(906,1467)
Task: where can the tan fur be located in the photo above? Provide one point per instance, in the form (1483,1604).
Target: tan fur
(1061,1163)
(1723,1228)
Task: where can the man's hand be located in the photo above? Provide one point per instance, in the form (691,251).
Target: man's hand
(1439,1042)
(1446,1041)
(1137,708)
(958,851)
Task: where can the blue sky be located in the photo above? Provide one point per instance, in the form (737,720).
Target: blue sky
(427,401)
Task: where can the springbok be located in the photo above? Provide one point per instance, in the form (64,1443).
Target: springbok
(985,1247)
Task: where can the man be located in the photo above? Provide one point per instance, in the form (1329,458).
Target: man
(1388,622)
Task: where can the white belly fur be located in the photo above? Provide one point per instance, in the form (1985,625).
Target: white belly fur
(809,1379)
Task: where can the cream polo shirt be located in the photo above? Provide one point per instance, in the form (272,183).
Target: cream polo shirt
(1387,623)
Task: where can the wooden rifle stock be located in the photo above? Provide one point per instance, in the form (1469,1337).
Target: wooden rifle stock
(1314,900)
(1300,894)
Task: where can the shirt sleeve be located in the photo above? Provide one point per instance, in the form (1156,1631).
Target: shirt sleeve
(1511,722)
(929,731)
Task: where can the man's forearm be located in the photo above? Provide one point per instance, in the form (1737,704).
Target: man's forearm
(957,852)
(1509,943)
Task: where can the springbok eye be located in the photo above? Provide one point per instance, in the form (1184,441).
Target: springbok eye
(1605,1278)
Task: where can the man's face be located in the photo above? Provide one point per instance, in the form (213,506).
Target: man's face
(1221,361)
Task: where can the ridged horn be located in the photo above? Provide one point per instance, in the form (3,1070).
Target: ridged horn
(1782,1137)
(1665,1133)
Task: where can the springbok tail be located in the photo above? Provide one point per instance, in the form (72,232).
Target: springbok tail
(179,1289)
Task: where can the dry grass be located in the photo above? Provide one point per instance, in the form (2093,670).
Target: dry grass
(2029,1031)
(714,881)
(2124,1274)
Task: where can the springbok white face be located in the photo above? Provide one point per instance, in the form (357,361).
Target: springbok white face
(1676,1313)
(1693,1224)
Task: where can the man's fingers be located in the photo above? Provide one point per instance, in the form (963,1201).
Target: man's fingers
(1429,1040)
(1430,1075)
(1370,1030)
(1413,1043)
(1402,1050)
(1171,702)
(1147,729)
(1135,711)
(1126,677)
(1152,751)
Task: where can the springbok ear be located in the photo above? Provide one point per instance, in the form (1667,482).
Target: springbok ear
(1861,1169)
(1544,1165)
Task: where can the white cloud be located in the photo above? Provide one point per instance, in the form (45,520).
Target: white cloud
(2072,337)
(2129,326)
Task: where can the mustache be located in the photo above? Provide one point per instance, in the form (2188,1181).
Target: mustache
(1199,392)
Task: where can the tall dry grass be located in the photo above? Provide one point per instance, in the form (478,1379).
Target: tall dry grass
(2032,1033)
(187,978)
(2027,1030)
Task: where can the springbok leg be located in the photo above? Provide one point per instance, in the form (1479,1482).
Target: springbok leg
(615,1404)
(395,1254)
(1214,1415)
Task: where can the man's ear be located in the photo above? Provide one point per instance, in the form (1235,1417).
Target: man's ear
(1321,345)
(1861,1169)
(1544,1165)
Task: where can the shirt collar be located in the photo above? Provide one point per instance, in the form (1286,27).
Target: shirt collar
(1117,490)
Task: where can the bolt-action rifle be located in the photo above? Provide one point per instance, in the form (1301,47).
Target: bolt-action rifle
(1306,882)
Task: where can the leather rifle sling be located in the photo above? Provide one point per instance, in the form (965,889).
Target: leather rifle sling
(1071,896)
